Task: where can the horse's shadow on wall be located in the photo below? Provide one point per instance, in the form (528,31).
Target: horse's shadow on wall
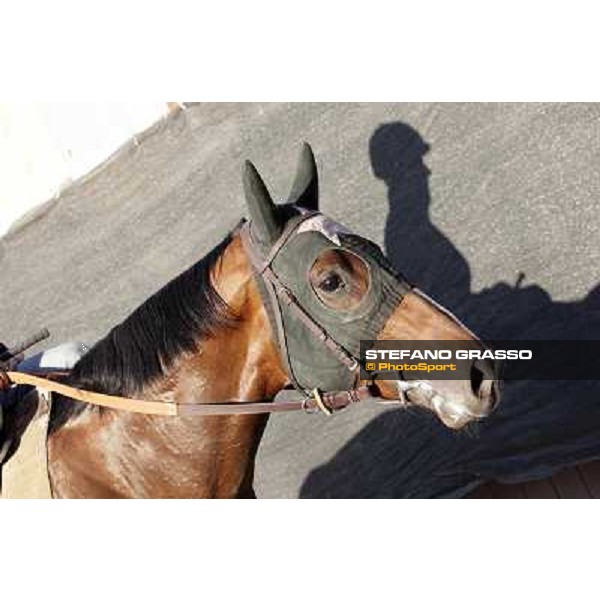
(539,426)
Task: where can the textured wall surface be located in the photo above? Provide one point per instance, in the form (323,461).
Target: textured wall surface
(44,146)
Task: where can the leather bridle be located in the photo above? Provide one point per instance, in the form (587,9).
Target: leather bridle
(278,291)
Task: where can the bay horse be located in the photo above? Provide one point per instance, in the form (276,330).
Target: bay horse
(283,300)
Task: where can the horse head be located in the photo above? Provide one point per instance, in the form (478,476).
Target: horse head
(325,289)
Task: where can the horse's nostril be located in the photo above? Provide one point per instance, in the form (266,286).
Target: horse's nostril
(484,384)
(476,379)
(494,395)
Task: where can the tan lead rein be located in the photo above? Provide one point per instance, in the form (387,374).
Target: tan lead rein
(117,402)
(326,403)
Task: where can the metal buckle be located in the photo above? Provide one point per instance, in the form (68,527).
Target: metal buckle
(319,401)
(307,410)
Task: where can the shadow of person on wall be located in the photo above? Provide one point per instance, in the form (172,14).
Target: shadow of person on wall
(539,427)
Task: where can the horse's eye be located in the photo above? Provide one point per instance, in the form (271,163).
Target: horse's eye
(331,283)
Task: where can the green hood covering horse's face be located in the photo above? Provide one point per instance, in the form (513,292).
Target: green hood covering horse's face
(325,289)
(342,281)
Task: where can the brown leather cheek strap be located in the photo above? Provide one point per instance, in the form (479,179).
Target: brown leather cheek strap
(326,402)
(278,292)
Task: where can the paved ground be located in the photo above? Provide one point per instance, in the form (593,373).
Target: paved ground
(464,197)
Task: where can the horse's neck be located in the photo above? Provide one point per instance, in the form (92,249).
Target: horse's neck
(122,454)
(134,455)
(236,365)
(239,362)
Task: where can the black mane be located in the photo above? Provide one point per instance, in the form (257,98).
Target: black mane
(172,321)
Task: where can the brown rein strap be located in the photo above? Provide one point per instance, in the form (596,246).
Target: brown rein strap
(326,402)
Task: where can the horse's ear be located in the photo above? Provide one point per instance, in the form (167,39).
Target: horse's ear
(263,212)
(305,191)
